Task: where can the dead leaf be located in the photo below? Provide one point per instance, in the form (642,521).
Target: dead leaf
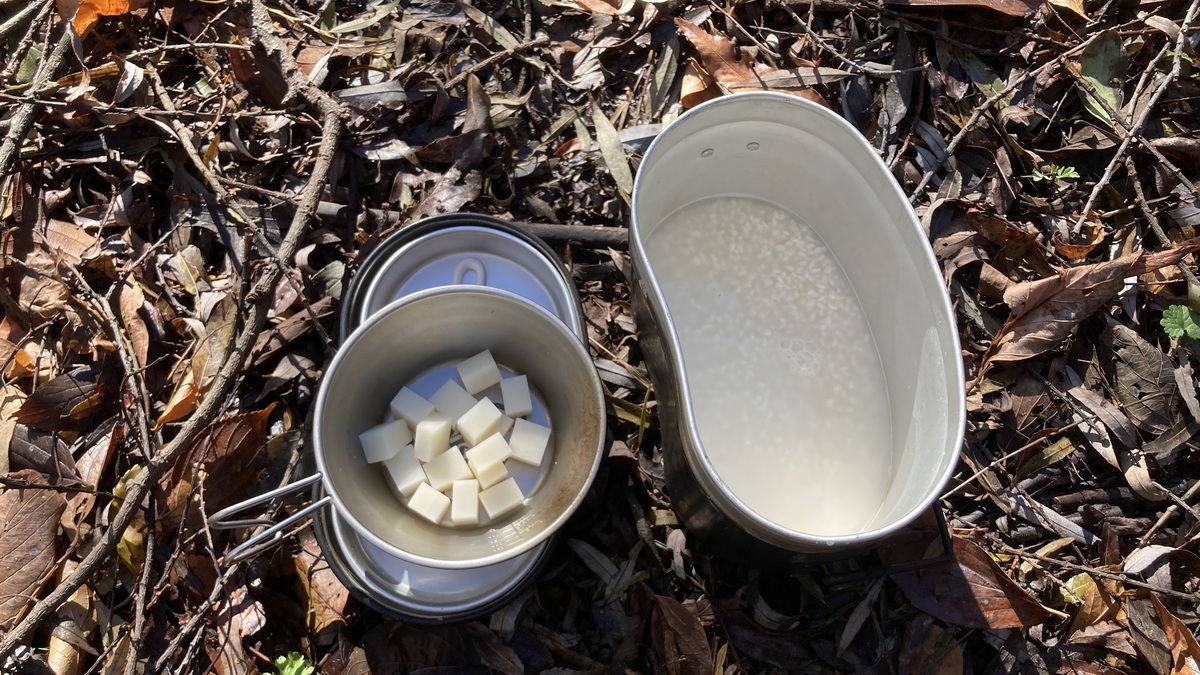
(90,466)
(322,592)
(721,62)
(83,14)
(1184,650)
(940,654)
(679,639)
(1095,603)
(1073,252)
(75,620)
(613,152)
(71,401)
(67,240)
(11,400)
(183,400)
(240,616)
(696,86)
(1143,378)
(225,458)
(858,617)
(28,543)
(1074,6)
(970,591)
(1045,311)
(1009,7)
(129,302)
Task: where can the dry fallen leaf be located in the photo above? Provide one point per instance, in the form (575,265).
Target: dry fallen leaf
(971,591)
(324,594)
(129,302)
(1095,603)
(1045,311)
(224,457)
(940,654)
(1185,652)
(83,14)
(1009,7)
(679,639)
(28,542)
(720,60)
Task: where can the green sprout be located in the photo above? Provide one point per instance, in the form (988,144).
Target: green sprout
(1056,172)
(1180,320)
(293,664)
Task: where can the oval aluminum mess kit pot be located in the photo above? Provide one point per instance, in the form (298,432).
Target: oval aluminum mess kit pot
(773,150)
(437,291)
(800,159)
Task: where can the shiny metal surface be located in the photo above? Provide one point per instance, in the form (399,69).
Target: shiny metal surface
(427,330)
(809,162)
(428,253)
(415,592)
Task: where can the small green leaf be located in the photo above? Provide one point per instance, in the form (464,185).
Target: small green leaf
(1180,320)
(293,664)
(1103,64)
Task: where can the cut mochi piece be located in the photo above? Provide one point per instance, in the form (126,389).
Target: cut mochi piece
(404,473)
(446,468)
(491,450)
(517,401)
(491,475)
(381,443)
(528,442)
(501,498)
(429,503)
(479,372)
(481,421)
(411,406)
(506,424)
(464,502)
(452,400)
(432,436)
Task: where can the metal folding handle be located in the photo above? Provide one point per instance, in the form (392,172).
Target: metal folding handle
(226,519)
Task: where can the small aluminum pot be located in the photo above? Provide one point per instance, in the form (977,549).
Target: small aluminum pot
(804,160)
(428,330)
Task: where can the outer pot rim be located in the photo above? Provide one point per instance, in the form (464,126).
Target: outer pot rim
(349,517)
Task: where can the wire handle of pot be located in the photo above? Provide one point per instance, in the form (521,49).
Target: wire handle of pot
(227,519)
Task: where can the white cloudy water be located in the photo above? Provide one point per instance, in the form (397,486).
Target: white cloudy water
(784,376)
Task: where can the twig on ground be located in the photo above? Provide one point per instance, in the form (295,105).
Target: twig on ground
(1136,130)
(23,118)
(587,235)
(1028,446)
(498,56)
(259,300)
(1114,576)
(1168,514)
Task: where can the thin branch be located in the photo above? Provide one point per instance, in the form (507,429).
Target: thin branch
(23,118)
(1136,131)
(259,298)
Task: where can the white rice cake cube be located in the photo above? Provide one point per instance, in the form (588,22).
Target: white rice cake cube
(502,498)
(492,450)
(464,502)
(429,503)
(409,405)
(528,442)
(404,473)
(453,401)
(481,421)
(479,372)
(432,436)
(491,475)
(446,468)
(506,425)
(381,443)
(517,401)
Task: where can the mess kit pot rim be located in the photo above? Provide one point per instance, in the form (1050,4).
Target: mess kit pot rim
(710,481)
(317,427)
